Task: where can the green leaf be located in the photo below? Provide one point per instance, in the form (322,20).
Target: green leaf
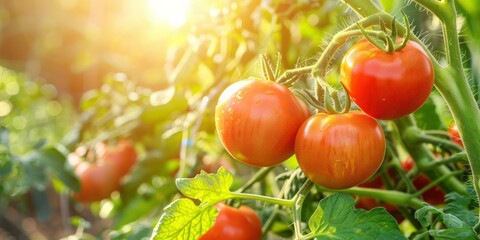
(424,215)
(183,219)
(337,218)
(427,116)
(207,186)
(458,205)
(56,162)
(453,234)
(456,216)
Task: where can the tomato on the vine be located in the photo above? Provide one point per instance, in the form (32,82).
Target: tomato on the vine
(98,180)
(387,85)
(235,224)
(257,121)
(340,151)
(454,135)
(434,195)
(100,169)
(122,155)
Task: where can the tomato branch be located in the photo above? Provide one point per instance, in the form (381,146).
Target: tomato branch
(390,196)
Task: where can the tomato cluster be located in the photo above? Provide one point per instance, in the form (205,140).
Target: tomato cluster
(101,169)
(262,123)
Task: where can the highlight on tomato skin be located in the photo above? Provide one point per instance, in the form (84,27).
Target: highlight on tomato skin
(387,85)
(339,151)
(241,223)
(257,121)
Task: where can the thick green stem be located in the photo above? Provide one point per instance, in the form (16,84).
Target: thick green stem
(456,91)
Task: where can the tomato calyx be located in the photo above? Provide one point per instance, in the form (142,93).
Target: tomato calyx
(335,107)
(389,44)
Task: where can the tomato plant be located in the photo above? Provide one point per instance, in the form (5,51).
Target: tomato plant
(340,150)
(387,85)
(257,121)
(235,223)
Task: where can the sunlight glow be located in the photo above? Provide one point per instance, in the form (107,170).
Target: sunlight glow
(174,13)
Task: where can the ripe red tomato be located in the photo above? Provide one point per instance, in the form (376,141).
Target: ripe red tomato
(257,121)
(434,195)
(235,224)
(454,135)
(98,181)
(387,85)
(123,155)
(340,151)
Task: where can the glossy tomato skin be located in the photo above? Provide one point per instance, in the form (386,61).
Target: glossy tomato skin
(235,224)
(434,195)
(387,85)
(257,121)
(454,135)
(122,155)
(339,151)
(98,181)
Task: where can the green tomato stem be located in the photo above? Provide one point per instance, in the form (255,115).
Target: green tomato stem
(390,196)
(259,176)
(278,201)
(436,141)
(422,156)
(458,157)
(297,211)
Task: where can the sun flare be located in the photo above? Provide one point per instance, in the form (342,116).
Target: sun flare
(174,13)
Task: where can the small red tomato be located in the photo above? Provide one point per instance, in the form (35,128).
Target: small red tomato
(387,85)
(257,121)
(340,151)
(454,135)
(235,224)
(434,195)
(98,180)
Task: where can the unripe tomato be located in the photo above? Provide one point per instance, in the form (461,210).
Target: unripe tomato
(454,135)
(235,224)
(387,85)
(340,151)
(257,121)
(98,181)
